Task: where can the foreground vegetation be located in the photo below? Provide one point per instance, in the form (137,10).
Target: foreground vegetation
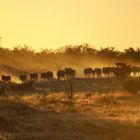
(85,116)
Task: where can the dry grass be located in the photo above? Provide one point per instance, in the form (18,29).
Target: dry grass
(54,116)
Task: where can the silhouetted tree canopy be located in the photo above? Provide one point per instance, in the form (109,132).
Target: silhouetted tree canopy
(76,50)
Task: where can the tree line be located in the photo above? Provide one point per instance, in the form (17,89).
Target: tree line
(77,50)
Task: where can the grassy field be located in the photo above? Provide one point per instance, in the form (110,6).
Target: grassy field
(101,85)
(55,116)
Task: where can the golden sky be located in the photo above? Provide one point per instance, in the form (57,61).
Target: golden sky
(55,23)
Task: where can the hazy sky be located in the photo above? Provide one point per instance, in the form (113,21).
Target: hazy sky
(55,23)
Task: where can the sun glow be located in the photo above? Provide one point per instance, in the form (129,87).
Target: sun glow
(55,23)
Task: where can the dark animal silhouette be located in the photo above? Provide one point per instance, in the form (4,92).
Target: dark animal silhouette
(107,71)
(23,78)
(120,65)
(44,75)
(98,72)
(69,73)
(49,75)
(122,71)
(33,76)
(73,72)
(135,70)
(61,74)
(88,72)
(114,69)
(6,78)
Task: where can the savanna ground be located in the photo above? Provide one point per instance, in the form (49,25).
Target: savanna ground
(42,114)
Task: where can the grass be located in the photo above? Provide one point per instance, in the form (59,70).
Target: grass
(85,116)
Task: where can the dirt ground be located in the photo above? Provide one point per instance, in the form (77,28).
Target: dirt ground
(54,116)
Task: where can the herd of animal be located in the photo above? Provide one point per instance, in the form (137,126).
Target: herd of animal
(120,70)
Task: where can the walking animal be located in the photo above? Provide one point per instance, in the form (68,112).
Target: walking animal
(88,72)
(69,73)
(44,75)
(6,78)
(61,74)
(49,75)
(98,72)
(107,71)
(23,78)
(122,71)
(135,71)
(34,76)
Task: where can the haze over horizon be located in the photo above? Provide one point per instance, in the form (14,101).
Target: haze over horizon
(56,23)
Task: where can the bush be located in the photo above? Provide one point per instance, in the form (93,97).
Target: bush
(132,86)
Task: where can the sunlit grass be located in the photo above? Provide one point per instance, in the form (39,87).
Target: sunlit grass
(23,116)
(111,105)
